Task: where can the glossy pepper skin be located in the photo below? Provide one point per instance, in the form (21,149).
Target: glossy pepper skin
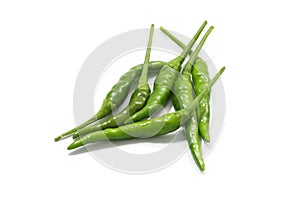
(142,129)
(164,83)
(137,100)
(200,78)
(117,94)
(183,97)
(147,128)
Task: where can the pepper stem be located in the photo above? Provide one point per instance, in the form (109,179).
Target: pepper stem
(91,120)
(188,48)
(173,38)
(188,67)
(143,80)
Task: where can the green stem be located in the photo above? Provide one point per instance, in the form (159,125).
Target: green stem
(199,47)
(91,120)
(188,48)
(188,67)
(143,80)
(172,37)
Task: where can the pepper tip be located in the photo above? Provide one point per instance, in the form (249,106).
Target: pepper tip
(202,165)
(75,144)
(56,139)
(70,147)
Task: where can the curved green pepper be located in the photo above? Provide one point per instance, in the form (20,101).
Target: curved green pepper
(201,79)
(137,100)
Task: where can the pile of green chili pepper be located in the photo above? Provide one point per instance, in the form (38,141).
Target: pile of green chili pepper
(191,100)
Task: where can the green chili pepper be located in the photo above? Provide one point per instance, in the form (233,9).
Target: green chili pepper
(183,90)
(201,78)
(137,100)
(162,125)
(164,83)
(117,94)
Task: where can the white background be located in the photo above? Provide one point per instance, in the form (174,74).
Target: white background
(43,45)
